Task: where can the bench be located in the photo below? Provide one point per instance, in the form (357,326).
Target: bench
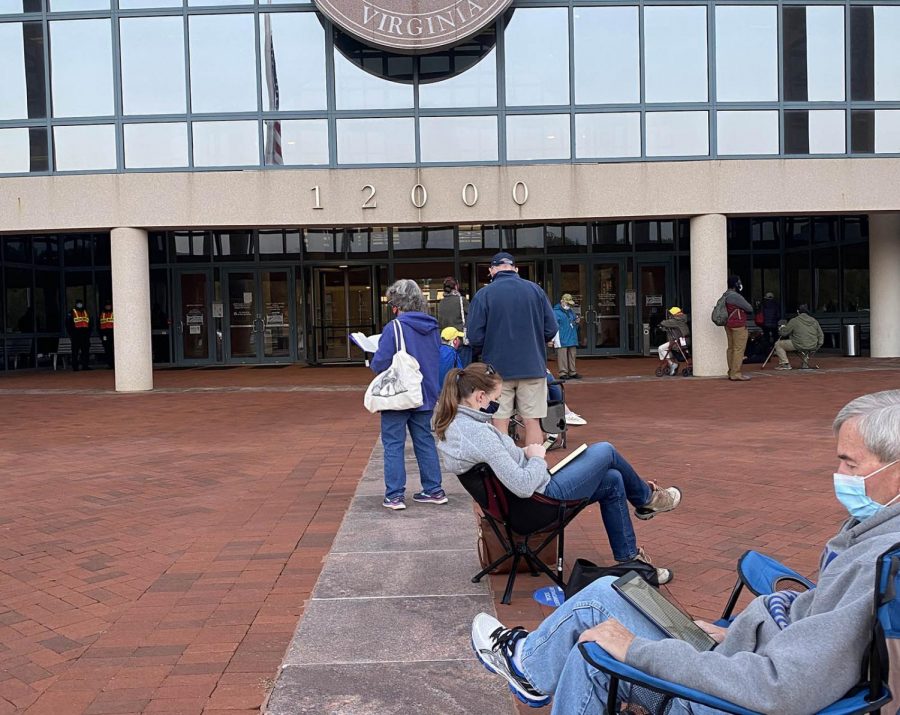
(65,349)
(16,348)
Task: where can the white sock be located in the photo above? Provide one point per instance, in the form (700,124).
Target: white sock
(517,656)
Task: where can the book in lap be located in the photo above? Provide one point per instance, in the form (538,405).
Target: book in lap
(577,452)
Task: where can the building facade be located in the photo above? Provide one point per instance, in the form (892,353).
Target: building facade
(244,179)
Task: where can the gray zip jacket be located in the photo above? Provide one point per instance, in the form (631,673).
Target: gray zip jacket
(815,659)
(471,439)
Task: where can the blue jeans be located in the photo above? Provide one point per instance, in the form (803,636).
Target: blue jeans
(394,424)
(604,476)
(554,665)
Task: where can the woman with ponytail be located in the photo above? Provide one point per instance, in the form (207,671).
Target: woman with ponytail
(466,437)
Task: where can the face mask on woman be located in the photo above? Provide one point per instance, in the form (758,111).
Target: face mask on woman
(850,491)
(491,407)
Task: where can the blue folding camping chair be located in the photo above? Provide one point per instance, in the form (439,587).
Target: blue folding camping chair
(760,574)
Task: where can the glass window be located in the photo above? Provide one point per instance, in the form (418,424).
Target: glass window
(82,148)
(537,136)
(814,132)
(369,241)
(537,56)
(271,243)
(22,68)
(677,133)
(14,6)
(887,131)
(135,4)
(16,250)
(813,69)
(233,246)
(223,68)
(610,135)
(46,250)
(303,141)
(81,68)
(747,132)
(19,307)
(423,242)
(226,143)
(151,146)
(77,251)
(23,150)
(464,76)
(675,54)
(887,52)
(855,260)
(746,53)
(607,55)
(826,294)
(152,65)
(612,236)
(293,60)
(455,139)
(202,3)
(862,131)
(799,289)
(376,141)
(69,5)
(191,246)
(362,84)
(47,295)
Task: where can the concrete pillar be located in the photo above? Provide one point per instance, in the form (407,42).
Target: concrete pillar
(131,305)
(884,284)
(709,276)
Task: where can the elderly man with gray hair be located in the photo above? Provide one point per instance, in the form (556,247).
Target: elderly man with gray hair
(786,653)
(420,335)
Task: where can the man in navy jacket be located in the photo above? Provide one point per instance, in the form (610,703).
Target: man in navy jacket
(510,321)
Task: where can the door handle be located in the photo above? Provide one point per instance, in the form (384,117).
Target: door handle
(181,327)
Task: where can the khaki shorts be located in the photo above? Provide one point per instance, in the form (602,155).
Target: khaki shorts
(527,398)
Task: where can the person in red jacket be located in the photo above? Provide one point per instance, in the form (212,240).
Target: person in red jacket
(736,327)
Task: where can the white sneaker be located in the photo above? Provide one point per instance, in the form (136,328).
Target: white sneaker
(494,644)
(573,419)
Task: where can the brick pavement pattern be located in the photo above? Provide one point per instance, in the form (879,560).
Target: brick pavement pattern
(157,549)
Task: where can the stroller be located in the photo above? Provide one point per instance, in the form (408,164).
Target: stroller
(678,351)
(554,422)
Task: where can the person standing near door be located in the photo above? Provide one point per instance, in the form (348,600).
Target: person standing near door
(107,325)
(452,312)
(80,333)
(568,337)
(736,328)
(511,322)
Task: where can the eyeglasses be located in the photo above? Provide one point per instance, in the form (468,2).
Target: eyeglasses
(489,369)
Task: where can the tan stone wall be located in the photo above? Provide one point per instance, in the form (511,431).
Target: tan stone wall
(555,192)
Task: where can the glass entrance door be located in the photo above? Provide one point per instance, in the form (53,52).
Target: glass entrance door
(598,289)
(259,316)
(194,344)
(344,302)
(655,287)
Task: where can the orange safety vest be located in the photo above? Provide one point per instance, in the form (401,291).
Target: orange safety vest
(106,321)
(81,319)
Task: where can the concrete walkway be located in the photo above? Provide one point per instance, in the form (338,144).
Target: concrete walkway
(387,628)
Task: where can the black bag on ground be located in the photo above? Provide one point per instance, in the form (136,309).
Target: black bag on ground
(585,572)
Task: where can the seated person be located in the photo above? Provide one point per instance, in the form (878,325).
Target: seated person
(555,394)
(466,437)
(451,339)
(677,323)
(784,653)
(802,332)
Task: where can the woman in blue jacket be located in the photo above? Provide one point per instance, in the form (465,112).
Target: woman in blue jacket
(420,333)
(568,337)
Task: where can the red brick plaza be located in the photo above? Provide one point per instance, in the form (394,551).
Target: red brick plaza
(157,549)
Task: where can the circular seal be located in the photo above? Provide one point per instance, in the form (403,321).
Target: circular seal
(412,25)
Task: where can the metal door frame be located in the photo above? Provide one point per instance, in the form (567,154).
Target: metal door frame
(589,312)
(317,328)
(179,326)
(667,262)
(258,334)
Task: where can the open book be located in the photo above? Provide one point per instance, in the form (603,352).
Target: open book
(368,343)
(577,452)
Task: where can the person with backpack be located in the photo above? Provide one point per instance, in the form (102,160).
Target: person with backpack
(731,312)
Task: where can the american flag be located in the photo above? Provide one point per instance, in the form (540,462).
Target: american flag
(273,135)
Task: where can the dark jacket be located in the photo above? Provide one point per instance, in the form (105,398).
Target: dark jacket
(511,321)
(449,313)
(678,323)
(771,313)
(420,333)
(738,309)
(568,326)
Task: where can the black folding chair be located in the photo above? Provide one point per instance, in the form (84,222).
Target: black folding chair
(515,520)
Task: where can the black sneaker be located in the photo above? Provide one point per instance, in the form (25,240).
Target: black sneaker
(494,644)
(574,376)
(438,497)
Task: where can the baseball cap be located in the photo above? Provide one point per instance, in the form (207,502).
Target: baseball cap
(770,295)
(567,297)
(450,333)
(674,310)
(503,259)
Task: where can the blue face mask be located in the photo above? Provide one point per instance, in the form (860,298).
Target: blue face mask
(850,491)
(492,407)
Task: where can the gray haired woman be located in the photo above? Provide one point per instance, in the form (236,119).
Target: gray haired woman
(420,333)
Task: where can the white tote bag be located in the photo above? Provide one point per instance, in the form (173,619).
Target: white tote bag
(400,386)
